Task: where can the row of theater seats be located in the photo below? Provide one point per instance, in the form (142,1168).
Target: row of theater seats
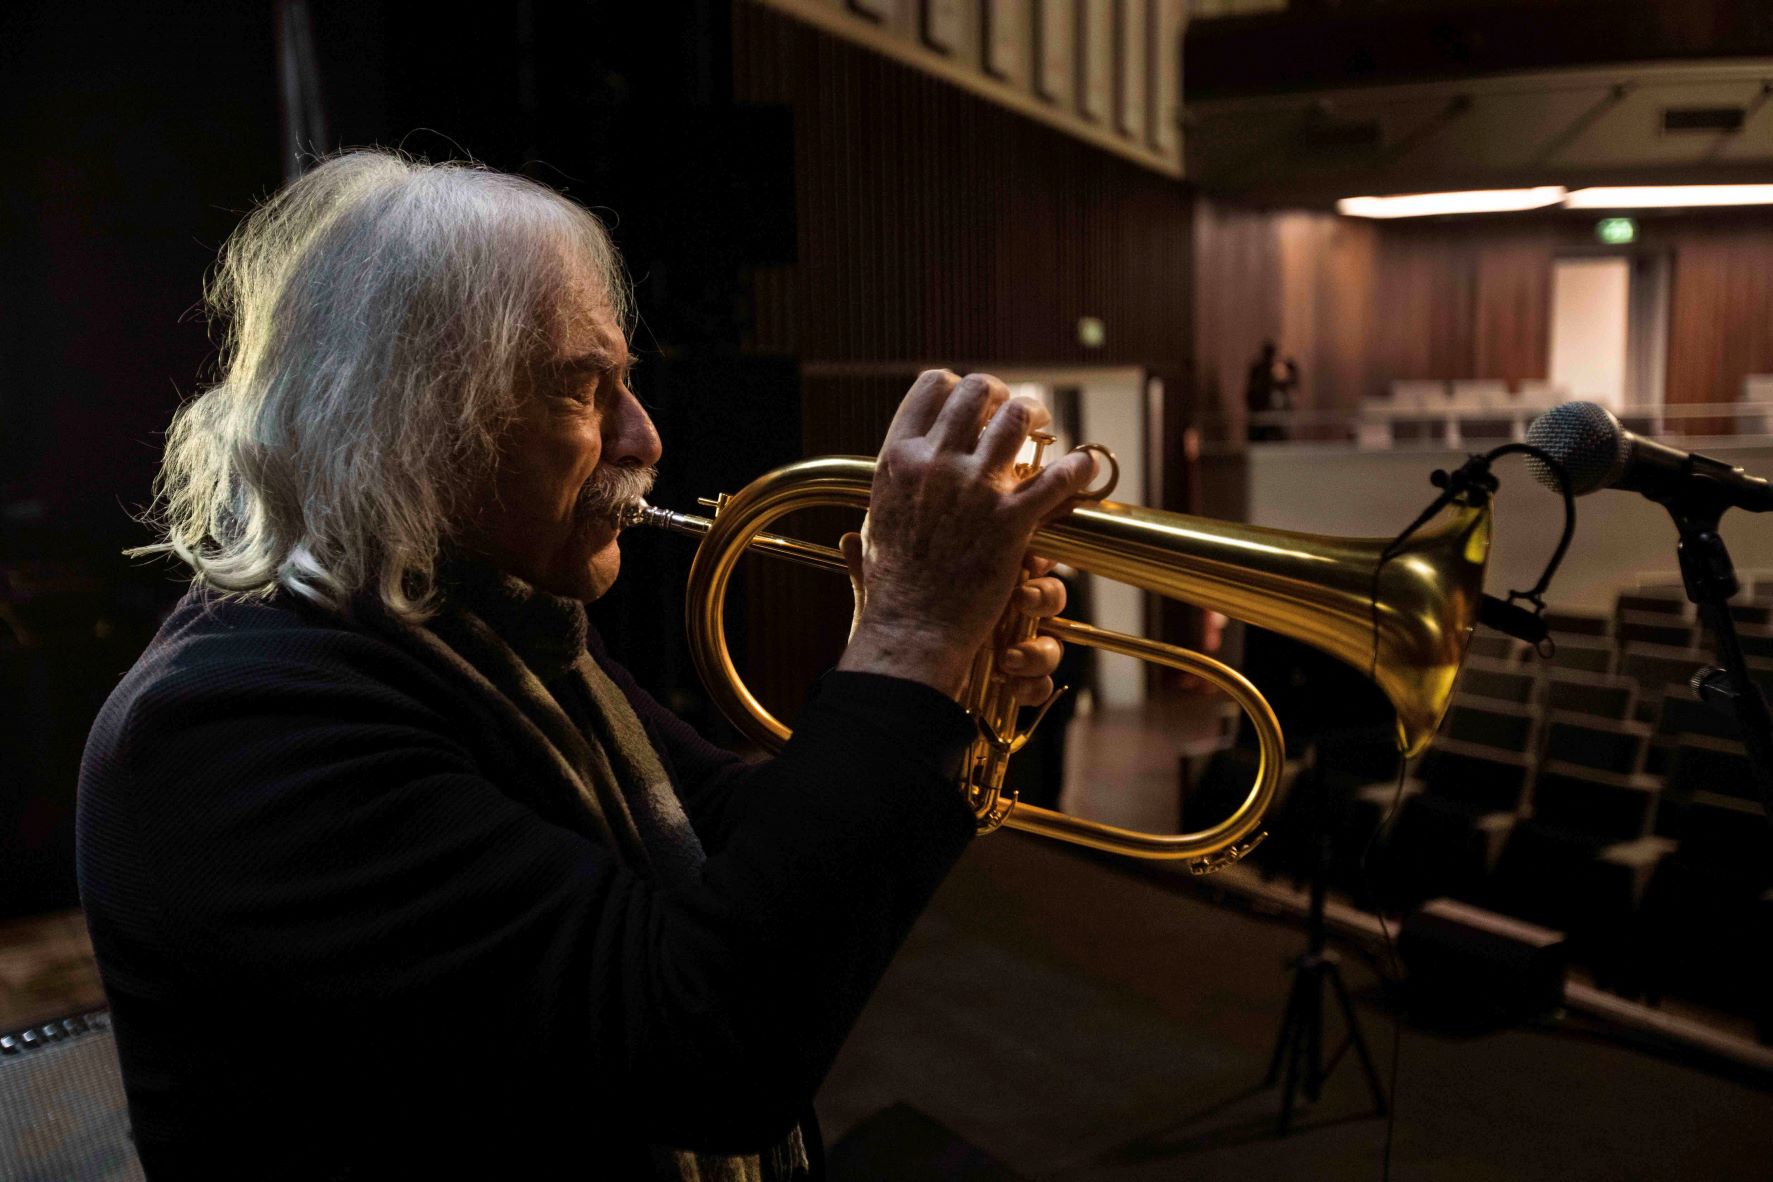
(1590,792)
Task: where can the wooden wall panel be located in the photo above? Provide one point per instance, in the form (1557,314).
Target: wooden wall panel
(1360,304)
(1721,311)
(1513,330)
(1427,304)
(934,227)
(1304,280)
(1238,298)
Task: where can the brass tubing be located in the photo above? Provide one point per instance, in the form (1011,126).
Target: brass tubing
(1237,828)
(1402,618)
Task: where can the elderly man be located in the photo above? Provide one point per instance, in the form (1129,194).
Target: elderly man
(390,870)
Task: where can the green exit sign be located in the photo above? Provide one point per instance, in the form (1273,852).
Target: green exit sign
(1616,231)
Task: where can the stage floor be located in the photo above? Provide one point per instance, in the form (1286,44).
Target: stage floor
(1072,1018)
(1071,1021)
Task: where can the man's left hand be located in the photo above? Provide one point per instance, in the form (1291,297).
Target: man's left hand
(1030,664)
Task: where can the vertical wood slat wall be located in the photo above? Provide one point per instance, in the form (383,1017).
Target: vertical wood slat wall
(1361,304)
(934,228)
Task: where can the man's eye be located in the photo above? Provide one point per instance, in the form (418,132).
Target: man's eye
(581,390)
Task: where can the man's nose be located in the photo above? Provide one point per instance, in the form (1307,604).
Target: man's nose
(636,440)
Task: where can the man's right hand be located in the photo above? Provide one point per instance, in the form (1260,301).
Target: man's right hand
(948,525)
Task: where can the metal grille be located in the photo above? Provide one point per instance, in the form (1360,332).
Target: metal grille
(62,1109)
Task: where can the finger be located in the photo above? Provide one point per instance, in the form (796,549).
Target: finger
(1035,657)
(1031,691)
(918,410)
(1056,484)
(1036,566)
(957,426)
(1009,428)
(851,545)
(1040,598)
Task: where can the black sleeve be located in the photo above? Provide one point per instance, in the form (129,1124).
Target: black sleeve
(322,841)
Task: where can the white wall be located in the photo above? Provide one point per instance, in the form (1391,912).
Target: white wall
(1619,535)
(1111,411)
(1590,306)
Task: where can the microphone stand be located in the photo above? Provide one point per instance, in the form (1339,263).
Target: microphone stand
(1710,579)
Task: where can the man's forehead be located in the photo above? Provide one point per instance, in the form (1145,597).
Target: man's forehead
(593,343)
(597,358)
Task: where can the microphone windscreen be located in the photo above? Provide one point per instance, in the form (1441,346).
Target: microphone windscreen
(1586,439)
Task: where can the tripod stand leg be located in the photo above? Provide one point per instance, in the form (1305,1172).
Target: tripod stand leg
(1314,1049)
(1360,1043)
(1289,1020)
(1295,1048)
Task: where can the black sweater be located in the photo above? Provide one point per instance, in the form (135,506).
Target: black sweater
(336,942)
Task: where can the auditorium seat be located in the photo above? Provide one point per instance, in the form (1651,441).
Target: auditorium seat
(1543,875)
(1468,784)
(1601,695)
(1702,767)
(1659,602)
(1604,744)
(1606,805)
(1491,722)
(1483,408)
(1756,641)
(1705,909)
(1484,778)
(1582,652)
(1493,646)
(1659,628)
(1564,623)
(1749,614)
(1618,947)
(1714,764)
(1655,667)
(1441,846)
(1679,715)
(1500,680)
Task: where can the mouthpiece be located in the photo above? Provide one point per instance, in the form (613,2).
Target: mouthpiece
(639,513)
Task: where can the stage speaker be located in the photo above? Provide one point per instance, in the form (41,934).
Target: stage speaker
(62,1108)
(1473,969)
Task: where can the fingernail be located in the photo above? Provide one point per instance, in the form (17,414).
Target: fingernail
(1014,659)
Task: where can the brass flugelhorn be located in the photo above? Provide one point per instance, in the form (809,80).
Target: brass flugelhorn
(1403,620)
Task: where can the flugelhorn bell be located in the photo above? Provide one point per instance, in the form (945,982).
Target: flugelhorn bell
(1403,621)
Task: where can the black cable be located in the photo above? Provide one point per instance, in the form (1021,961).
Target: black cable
(1472,484)
(1392,976)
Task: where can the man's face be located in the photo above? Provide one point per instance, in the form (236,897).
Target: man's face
(579,435)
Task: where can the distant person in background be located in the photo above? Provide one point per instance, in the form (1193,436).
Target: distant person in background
(1268,390)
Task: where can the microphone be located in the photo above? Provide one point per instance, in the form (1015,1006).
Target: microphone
(1596,452)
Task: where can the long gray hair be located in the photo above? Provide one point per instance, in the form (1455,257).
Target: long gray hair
(381,314)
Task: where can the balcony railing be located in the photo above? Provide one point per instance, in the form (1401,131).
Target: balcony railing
(1379,426)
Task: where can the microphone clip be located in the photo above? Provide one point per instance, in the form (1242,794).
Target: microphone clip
(1472,481)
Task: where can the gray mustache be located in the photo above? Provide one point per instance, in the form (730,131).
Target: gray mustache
(608,492)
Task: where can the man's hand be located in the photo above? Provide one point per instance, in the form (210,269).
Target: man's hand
(1029,664)
(946,536)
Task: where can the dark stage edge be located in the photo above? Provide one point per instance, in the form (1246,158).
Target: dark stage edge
(1066,1021)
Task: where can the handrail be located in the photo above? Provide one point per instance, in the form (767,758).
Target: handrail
(1375,425)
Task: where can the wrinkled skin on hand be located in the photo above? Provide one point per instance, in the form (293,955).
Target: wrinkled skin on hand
(943,552)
